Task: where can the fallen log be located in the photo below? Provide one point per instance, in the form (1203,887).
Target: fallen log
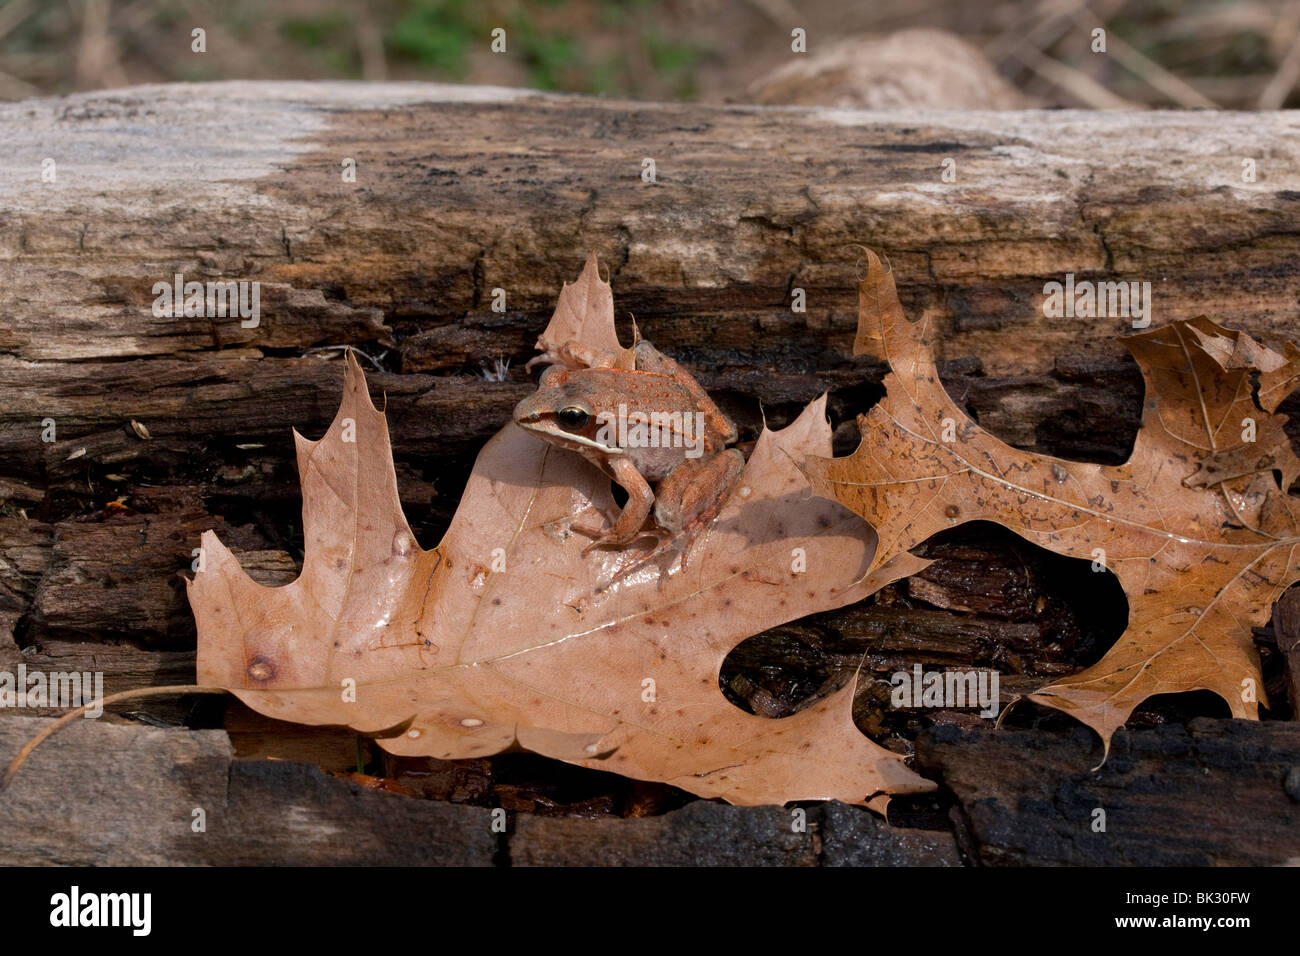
(392,218)
(1213,793)
(115,795)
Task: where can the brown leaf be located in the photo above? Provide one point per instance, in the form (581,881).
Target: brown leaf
(584,313)
(1195,524)
(498,636)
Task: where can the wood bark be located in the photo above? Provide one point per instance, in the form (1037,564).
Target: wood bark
(117,795)
(1212,793)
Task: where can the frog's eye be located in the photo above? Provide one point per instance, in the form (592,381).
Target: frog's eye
(573,417)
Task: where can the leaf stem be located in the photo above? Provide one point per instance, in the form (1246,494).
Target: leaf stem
(136,694)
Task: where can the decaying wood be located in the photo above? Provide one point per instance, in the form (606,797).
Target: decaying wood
(1212,793)
(122,795)
(1286,628)
(462,191)
(119,795)
(459,191)
(1215,792)
(834,835)
(122,577)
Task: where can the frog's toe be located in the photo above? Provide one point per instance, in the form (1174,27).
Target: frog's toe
(601,541)
(610,540)
(600,537)
(546,358)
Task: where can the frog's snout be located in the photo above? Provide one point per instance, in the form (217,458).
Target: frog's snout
(526,411)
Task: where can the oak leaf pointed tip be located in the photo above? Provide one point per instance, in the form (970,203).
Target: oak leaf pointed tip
(810,430)
(584,314)
(213,550)
(354,383)
(302,446)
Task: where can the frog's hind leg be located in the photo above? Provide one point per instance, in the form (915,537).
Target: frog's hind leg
(693,493)
(686,502)
(573,356)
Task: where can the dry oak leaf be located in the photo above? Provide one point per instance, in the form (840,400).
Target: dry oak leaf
(1195,525)
(498,637)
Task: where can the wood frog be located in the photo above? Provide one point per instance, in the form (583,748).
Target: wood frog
(639,417)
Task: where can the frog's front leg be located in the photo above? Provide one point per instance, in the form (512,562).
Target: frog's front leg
(627,528)
(688,500)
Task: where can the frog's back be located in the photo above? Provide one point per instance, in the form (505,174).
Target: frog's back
(655,419)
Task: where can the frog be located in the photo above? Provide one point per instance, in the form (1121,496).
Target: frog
(578,406)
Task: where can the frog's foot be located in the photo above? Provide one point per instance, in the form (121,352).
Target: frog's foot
(571,355)
(680,543)
(664,545)
(546,358)
(610,537)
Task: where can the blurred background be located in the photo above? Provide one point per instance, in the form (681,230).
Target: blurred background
(1159,53)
